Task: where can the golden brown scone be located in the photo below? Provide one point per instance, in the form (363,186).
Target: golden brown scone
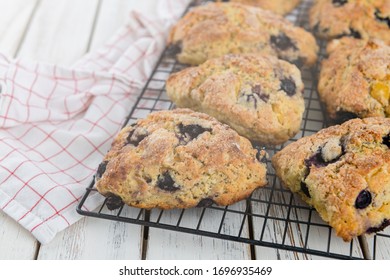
(179,159)
(361,19)
(257,95)
(215,29)
(280,7)
(355,80)
(344,172)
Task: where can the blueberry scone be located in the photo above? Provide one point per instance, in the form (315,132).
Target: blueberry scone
(344,172)
(215,29)
(179,159)
(257,95)
(361,19)
(355,79)
(280,7)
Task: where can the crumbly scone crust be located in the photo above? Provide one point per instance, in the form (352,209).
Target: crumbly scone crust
(260,96)
(280,7)
(344,172)
(357,18)
(215,29)
(180,159)
(355,78)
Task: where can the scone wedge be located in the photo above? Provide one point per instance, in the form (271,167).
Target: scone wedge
(343,172)
(215,29)
(354,80)
(179,159)
(260,96)
(361,19)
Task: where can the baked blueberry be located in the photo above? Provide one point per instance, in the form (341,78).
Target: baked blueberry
(384,224)
(288,86)
(299,62)
(282,42)
(329,153)
(205,202)
(174,49)
(101,169)
(305,189)
(257,91)
(386,140)
(192,131)
(339,3)
(134,137)
(382,18)
(343,116)
(315,160)
(113,202)
(166,183)
(354,33)
(363,200)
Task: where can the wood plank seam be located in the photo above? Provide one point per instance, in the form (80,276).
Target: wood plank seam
(31,18)
(94,24)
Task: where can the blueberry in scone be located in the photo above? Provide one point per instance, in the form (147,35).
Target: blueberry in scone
(343,171)
(361,19)
(179,159)
(354,80)
(259,96)
(215,29)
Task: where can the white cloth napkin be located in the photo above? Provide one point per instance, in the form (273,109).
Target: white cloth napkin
(56,123)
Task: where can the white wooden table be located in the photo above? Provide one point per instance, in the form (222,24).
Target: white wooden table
(61,31)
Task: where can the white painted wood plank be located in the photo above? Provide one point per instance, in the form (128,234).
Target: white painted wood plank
(113,13)
(16,243)
(166,244)
(94,239)
(59,31)
(14,19)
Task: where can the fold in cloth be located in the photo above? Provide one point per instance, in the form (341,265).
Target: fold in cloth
(56,123)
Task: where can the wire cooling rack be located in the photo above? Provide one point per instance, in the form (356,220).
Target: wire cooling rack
(273,216)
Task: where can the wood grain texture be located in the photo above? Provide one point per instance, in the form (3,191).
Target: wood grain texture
(15,16)
(164,244)
(94,239)
(59,31)
(113,14)
(16,243)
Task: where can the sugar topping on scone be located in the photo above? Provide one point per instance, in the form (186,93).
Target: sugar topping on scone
(343,172)
(354,80)
(179,159)
(259,96)
(361,19)
(215,29)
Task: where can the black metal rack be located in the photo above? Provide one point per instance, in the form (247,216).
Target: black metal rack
(272,216)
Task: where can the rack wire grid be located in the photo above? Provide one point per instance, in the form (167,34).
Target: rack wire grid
(272,216)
